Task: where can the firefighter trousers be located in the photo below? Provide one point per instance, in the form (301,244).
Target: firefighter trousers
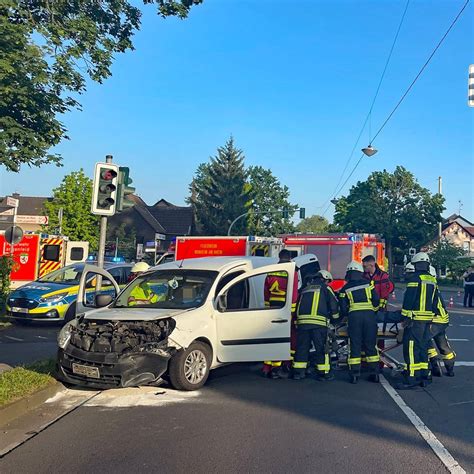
(362,330)
(440,342)
(416,342)
(318,335)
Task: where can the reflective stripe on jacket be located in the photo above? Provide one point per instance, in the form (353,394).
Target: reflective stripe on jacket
(276,288)
(317,303)
(441,314)
(421,297)
(358,295)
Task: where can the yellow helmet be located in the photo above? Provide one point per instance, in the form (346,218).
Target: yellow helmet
(140,267)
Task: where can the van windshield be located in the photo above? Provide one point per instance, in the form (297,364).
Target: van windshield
(167,289)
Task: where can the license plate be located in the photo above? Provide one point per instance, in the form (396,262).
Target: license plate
(19,310)
(86,371)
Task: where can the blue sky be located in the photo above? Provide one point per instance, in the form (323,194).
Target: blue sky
(292,81)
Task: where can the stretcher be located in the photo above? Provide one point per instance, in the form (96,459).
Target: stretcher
(389,337)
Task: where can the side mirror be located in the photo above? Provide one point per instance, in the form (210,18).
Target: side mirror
(103,300)
(222,303)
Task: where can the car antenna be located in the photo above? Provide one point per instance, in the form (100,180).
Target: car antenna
(181,264)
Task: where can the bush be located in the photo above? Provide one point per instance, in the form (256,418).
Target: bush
(6,266)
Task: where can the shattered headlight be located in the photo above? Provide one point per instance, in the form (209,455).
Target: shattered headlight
(65,334)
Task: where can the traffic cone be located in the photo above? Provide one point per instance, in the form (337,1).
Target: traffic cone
(451,302)
(459,293)
(393,296)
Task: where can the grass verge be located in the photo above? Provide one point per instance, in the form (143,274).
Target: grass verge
(23,381)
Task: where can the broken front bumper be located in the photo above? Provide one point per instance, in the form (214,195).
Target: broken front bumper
(112,370)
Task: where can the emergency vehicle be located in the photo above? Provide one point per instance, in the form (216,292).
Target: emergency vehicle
(335,251)
(250,246)
(37,255)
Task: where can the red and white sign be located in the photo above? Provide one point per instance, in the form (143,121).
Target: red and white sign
(12,202)
(210,247)
(25,254)
(42,220)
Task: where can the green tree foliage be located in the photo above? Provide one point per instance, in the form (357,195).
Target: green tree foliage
(446,255)
(268,196)
(74,196)
(219,192)
(47,51)
(313,225)
(7,264)
(394,205)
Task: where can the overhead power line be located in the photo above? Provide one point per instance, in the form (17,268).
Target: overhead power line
(406,92)
(369,113)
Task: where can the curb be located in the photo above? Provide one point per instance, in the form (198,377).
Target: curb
(20,407)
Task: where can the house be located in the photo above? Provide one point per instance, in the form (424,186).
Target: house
(162,222)
(459,231)
(30,213)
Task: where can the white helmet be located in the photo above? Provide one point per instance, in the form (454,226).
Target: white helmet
(325,275)
(409,267)
(420,257)
(140,267)
(356,266)
(432,271)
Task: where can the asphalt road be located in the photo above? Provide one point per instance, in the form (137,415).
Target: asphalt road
(240,422)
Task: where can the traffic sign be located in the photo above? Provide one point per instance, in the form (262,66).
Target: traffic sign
(13,235)
(12,202)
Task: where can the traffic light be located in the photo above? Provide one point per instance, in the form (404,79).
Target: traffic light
(104,189)
(302,213)
(124,189)
(470,87)
(285,214)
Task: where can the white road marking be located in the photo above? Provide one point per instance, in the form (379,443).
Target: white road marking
(14,338)
(461,363)
(467,325)
(41,337)
(435,444)
(461,403)
(459,340)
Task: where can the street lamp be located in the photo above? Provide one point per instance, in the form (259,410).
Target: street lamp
(369,150)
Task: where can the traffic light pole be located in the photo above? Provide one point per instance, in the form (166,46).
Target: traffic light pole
(103,231)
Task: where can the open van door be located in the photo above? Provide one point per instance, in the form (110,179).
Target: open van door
(76,252)
(88,293)
(247,330)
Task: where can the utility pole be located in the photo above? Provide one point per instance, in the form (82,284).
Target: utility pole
(103,230)
(440,192)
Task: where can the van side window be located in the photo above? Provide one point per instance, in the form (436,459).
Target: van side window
(226,279)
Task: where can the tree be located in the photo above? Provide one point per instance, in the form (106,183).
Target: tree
(74,196)
(219,192)
(313,225)
(127,241)
(446,255)
(393,205)
(47,51)
(268,197)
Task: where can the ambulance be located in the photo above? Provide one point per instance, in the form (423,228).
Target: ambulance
(37,255)
(247,246)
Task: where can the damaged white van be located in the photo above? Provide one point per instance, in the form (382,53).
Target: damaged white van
(177,321)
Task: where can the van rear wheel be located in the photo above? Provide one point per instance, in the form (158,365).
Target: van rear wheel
(189,369)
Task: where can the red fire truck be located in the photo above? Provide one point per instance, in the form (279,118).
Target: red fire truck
(37,255)
(335,251)
(196,247)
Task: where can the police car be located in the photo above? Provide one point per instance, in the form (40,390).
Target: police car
(53,297)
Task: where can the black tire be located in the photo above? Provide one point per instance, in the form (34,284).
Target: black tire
(181,379)
(70,313)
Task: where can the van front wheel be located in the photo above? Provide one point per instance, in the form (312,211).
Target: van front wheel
(189,369)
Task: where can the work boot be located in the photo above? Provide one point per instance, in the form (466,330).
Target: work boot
(425,381)
(407,386)
(450,371)
(374,378)
(325,377)
(298,375)
(353,378)
(275,373)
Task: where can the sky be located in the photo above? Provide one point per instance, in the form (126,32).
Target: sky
(292,81)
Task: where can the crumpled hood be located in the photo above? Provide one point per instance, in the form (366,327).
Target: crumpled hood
(133,314)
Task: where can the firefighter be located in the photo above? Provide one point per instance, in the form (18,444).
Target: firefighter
(418,310)
(317,304)
(359,301)
(383,285)
(275,293)
(142,293)
(438,333)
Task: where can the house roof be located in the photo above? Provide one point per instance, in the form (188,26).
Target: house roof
(176,220)
(149,218)
(30,205)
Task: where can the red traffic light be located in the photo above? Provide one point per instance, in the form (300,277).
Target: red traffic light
(108,175)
